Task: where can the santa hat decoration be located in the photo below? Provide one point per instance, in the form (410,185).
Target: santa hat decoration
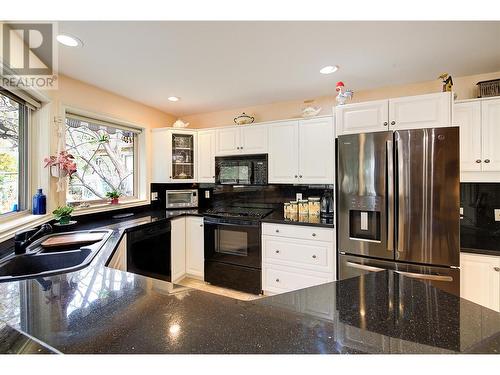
(339,86)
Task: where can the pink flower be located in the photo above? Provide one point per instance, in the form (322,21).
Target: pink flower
(64,160)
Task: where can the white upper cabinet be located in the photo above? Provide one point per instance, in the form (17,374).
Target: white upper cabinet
(490,119)
(174,155)
(468,117)
(364,117)
(421,111)
(478,120)
(195,256)
(254,139)
(410,112)
(316,151)
(302,151)
(284,152)
(244,139)
(206,156)
(228,141)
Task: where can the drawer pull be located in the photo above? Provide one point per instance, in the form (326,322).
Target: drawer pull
(277,280)
(487,161)
(277,230)
(277,251)
(496,269)
(478,161)
(314,234)
(314,256)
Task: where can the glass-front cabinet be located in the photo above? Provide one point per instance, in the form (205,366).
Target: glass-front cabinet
(174,155)
(182,156)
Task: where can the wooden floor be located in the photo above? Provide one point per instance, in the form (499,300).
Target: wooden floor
(201,285)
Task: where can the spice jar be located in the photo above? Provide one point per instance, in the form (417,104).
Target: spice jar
(303,207)
(286,210)
(314,206)
(293,210)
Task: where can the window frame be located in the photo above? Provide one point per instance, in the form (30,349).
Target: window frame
(24,162)
(96,204)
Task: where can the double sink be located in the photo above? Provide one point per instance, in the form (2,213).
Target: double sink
(39,261)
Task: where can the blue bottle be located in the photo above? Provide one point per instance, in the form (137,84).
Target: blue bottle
(39,203)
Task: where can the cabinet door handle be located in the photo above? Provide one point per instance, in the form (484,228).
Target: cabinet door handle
(478,161)
(277,230)
(385,123)
(496,269)
(296,176)
(201,225)
(314,256)
(393,122)
(277,251)
(241,148)
(277,280)
(300,176)
(314,234)
(487,160)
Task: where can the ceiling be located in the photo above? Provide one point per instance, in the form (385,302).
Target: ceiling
(221,65)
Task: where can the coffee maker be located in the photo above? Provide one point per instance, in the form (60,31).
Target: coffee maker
(327,204)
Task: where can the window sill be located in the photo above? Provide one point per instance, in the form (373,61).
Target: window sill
(9,228)
(101,207)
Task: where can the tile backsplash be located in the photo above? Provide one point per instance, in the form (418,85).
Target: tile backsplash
(478,228)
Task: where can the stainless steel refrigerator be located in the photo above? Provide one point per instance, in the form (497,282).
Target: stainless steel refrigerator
(398,204)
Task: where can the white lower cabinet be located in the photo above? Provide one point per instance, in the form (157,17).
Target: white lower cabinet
(296,257)
(178,248)
(119,259)
(195,247)
(480,279)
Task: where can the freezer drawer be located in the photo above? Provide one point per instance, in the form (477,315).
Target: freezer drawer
(447,279)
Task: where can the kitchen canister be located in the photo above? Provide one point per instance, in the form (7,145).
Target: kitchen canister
(314,206)
(39,206)
(293,210)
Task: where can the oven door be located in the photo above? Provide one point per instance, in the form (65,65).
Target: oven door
(233,241)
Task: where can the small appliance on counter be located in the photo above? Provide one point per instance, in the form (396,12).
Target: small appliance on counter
(327,204)
(181,198)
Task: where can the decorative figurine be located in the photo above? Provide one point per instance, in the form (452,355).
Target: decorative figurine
(447,82)
(344,93)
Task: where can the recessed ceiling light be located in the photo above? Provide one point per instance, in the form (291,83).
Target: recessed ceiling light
(173,98)
(69,40)
(329,69)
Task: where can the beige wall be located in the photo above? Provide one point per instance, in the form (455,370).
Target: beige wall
(465,87)
(74,93)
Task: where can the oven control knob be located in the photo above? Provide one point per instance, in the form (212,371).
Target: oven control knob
(277,280)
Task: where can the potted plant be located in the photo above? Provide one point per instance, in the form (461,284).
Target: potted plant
(63,214)
(61,165)
(113,195)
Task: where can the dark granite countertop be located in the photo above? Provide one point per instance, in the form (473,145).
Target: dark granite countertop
(102,310)
(278,217)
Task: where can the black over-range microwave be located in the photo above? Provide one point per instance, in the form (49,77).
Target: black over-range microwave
(241,170)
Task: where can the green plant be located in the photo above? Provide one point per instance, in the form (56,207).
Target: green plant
(63,214)
(113,194)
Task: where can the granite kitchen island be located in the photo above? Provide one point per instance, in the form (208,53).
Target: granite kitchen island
(102,310)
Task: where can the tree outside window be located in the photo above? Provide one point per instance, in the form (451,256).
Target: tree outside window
(105,160)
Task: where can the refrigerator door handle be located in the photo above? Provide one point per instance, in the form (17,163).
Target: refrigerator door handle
(423,276)
(364,267)
(390,195)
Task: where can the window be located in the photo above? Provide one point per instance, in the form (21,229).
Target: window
(105,156)
(13,145)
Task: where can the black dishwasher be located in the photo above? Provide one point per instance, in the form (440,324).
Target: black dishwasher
(148,250)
